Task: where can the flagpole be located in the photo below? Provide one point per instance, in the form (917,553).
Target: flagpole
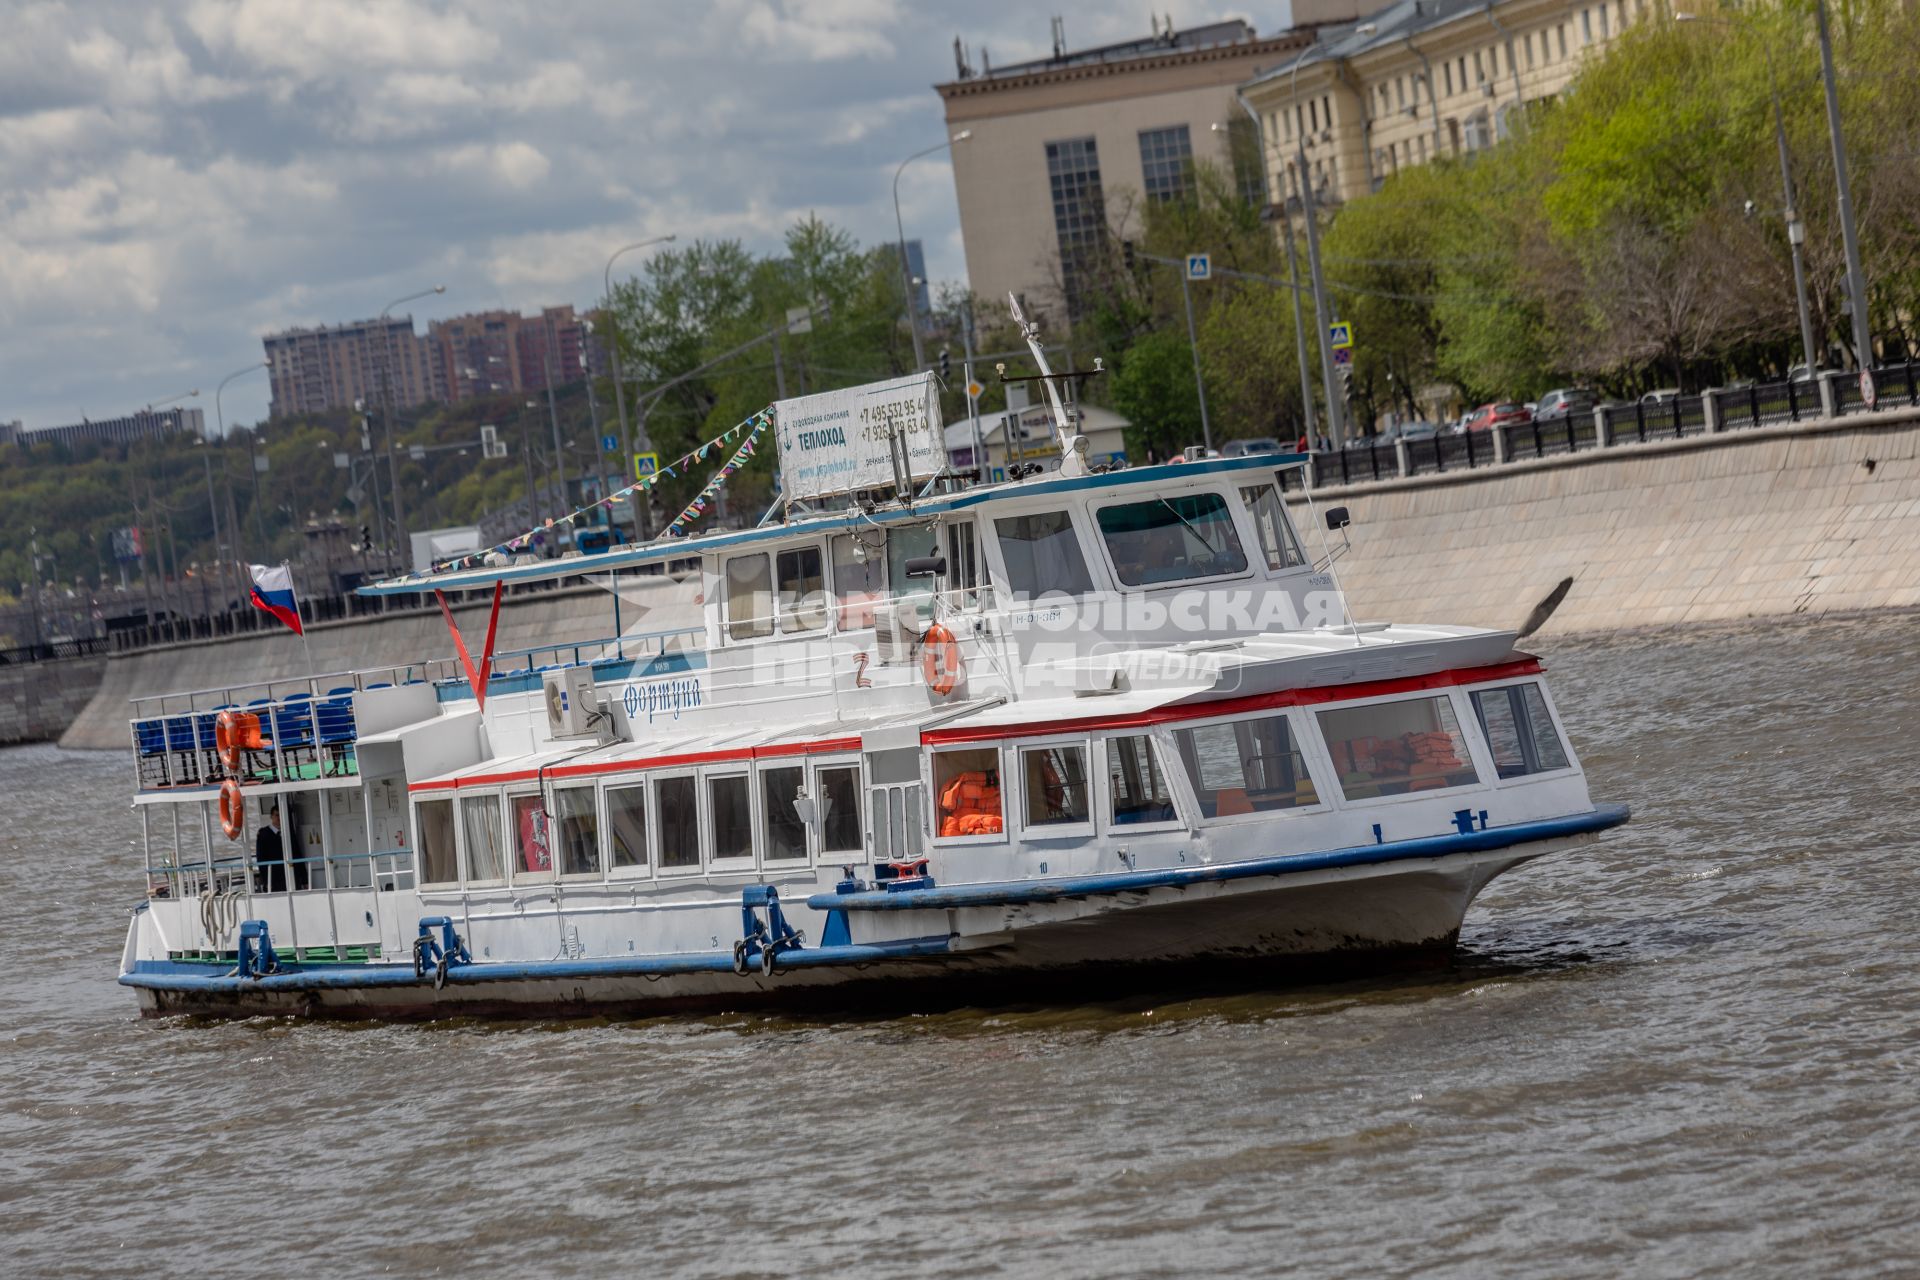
(313,674)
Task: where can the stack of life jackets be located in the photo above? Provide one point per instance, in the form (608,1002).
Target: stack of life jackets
(1433,760)
(970,806)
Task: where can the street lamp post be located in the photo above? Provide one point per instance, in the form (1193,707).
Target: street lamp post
(619,392)
(1796,233)
(900,226)
(220,425)
(1293,266)
(1303,177)
(1850,239)
(386,413)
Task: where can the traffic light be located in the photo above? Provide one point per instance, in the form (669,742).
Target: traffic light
(366,539)
(1346,383)
(946,364)
(1126,253)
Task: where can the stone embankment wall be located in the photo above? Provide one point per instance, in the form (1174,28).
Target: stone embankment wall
(1814,517)
(651,604)
(39,700)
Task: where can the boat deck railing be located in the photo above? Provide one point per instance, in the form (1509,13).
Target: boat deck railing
(307,728)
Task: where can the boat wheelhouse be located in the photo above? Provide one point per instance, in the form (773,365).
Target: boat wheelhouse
(1052,728)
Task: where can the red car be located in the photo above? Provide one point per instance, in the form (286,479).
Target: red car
(1489,416)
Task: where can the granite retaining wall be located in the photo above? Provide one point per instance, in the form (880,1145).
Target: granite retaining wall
(39,700)
(1814,517)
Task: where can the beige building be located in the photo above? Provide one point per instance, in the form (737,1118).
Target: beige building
(1418,79)
(1062,148)
(331,366)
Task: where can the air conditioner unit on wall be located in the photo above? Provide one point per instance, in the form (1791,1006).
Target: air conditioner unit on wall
(572,709)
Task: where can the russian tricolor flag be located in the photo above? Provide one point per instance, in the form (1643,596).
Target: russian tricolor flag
(273,592)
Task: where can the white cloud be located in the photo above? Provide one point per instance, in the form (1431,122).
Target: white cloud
(179,176)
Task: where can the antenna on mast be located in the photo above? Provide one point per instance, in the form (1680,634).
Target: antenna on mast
(1073,445)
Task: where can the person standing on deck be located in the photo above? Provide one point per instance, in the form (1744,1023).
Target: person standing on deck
(270,856)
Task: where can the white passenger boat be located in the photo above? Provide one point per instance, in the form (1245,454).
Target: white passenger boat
(957,742)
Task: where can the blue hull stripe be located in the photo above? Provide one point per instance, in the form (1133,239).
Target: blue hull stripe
(1014,892)
(166,975)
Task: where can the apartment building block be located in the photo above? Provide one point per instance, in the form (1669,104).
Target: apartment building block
(498,352)
(332,366)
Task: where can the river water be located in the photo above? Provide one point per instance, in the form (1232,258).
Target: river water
(1691,1050)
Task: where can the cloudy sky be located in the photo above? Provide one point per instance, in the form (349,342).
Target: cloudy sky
(178,178)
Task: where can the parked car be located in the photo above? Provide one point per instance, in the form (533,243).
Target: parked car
(1499,414)
(1564,403)
(1662,396)
(1194,453)
(1417,431)
(1245,448)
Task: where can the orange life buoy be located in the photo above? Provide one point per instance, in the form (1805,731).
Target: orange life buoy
(941,663)
(233,809)
(226,740)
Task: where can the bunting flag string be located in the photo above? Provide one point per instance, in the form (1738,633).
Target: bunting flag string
(671,471)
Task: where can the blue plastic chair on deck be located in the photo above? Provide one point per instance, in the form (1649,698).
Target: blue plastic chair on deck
(293,729)
(150,741)
(207,740)
(333,720)
(182,749)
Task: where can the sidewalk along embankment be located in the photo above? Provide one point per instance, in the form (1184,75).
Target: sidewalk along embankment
(364,644)
(1805,518)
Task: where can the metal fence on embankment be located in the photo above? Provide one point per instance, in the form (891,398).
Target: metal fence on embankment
(1675,418)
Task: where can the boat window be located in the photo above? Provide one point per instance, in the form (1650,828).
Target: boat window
(965,588)
(803,590)
(1172,539)
(1056,785)
(1134,781)
(838,799)
(749,597)
(1519,730)
(1247,766)
(859,580)
(433,819)
(532,839)
(910,543)
(576,829)
(968,786)
(1042,555)
(677,808)
(731,808)
(1277,542)
(786,834)
(627,826)
(1391,748)
(480,828)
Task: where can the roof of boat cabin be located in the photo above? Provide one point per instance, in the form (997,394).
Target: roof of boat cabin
(665,549)
(713,745)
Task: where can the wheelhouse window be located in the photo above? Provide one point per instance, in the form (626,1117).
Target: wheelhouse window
(1248,766)
(786,834)
(433,819)
(1042,555)
(1392,748)
(859,581)
(838,799)
(532,839)
(480,826)
(1172,539)
(803,590)
(1136,787)
(1519,730)
(966,585)
(911,543)
(967,785)
(1055,781)
(677,807)
(731,808)
(1277,542)
(749,582)
(627,827)
(576,830)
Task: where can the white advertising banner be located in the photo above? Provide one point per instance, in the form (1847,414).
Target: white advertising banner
(837,441)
